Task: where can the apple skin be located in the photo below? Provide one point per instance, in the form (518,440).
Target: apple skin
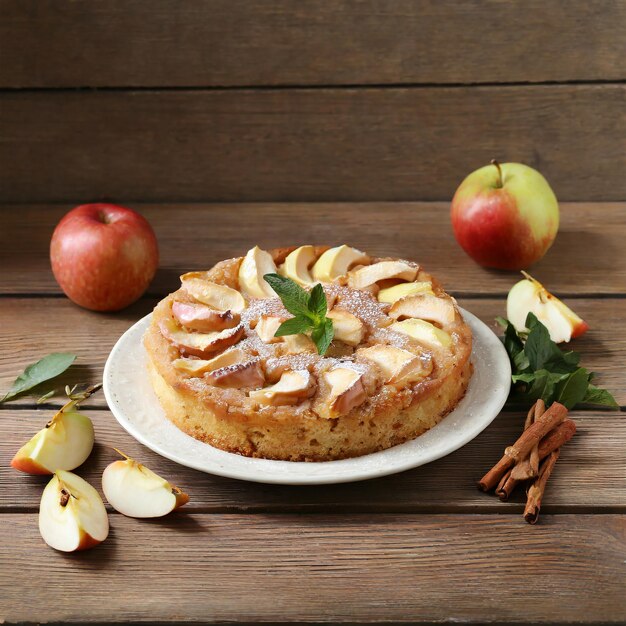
(505,226)
(103,256)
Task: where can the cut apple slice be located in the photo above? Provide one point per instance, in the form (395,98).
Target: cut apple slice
(292,387)
(297,265)
(297,344)
(425,307)
(346,391)
(267,326)
(203,318)
(348,328)
(136,491)
(424,332)
(336,262)
(395,293)
(239,375)
(530,296)
(397,365)
(383,270)
(71,514)
(219,297)
(197,367)
(199,344)
(254,266)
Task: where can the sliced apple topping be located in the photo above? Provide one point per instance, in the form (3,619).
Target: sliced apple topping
(239,375)
(383,270)
(292,387)
(402,290)
(425,307)
(136,491)
(336,262)
(397,365)
(297,344)
(197,367)
(530,296)
(297,266)
(199,344)
(71,514)
(348,328)
(254,266)
(424,332)
(219,297)
(267,326)
(203,318)
(346,391)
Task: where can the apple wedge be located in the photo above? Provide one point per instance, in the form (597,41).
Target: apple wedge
(203,318)
(71,514)
(348,328)
(346,391)
(530,296)
(199,344)
(424,332)
(297,266)
(336,262)
(254,266)
(383,270)
(402,290)
(397,365)
(267,326)
(239,375)
(197,367)
(219,297)
(297,344)
(292,387)
(425,307)
(136,491)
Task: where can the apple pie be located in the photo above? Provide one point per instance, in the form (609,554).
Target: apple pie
(398,363)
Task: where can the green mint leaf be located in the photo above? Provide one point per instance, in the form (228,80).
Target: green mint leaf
(322,335)
(317,302)
(572,388)
(543,385)
(539,348)
(295,299)
(503,321)
(294,326)
(599,397)
(45,369)
(515,347)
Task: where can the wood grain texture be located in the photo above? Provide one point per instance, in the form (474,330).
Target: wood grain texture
(51,43)
(303,144)
(590,475)
(586,259)
(33,327)
(265,568)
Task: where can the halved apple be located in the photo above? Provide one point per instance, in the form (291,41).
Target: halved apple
(136,491)
(254,266)
(197,367)
(383,270)
(397,365)
(219,297)
(199,344)
(64,444)
(346,391)
(297,266)
(530,296)
(424,332)
(336,262)
(240,375)
(292,387)
(71,514)
(402,290)
(426,307)
(203,318)
(267,326)
(348,328)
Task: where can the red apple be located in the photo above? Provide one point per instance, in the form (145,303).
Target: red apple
(103,256)
(505,216)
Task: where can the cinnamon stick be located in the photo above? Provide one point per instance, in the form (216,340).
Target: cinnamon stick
(554,416)
(537,488)
(529,468)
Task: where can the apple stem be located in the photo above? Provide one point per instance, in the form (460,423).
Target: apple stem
(122,454)
(499,182)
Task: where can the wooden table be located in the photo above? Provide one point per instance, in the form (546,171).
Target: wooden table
(419,547)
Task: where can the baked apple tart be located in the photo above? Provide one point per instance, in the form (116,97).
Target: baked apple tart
(235,369)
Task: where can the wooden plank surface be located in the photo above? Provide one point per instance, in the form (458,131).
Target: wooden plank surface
(589,477)
(33,327)
(52,43)
(266,568)
(306,144)
(586,259)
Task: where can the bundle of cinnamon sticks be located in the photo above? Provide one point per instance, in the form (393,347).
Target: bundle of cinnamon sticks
(531,458)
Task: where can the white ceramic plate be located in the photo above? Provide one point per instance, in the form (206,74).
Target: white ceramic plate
(133,402)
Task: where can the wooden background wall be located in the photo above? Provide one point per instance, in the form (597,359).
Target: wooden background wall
(226,100)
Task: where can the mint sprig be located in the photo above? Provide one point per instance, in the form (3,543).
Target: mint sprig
(308,308)
(542,370)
